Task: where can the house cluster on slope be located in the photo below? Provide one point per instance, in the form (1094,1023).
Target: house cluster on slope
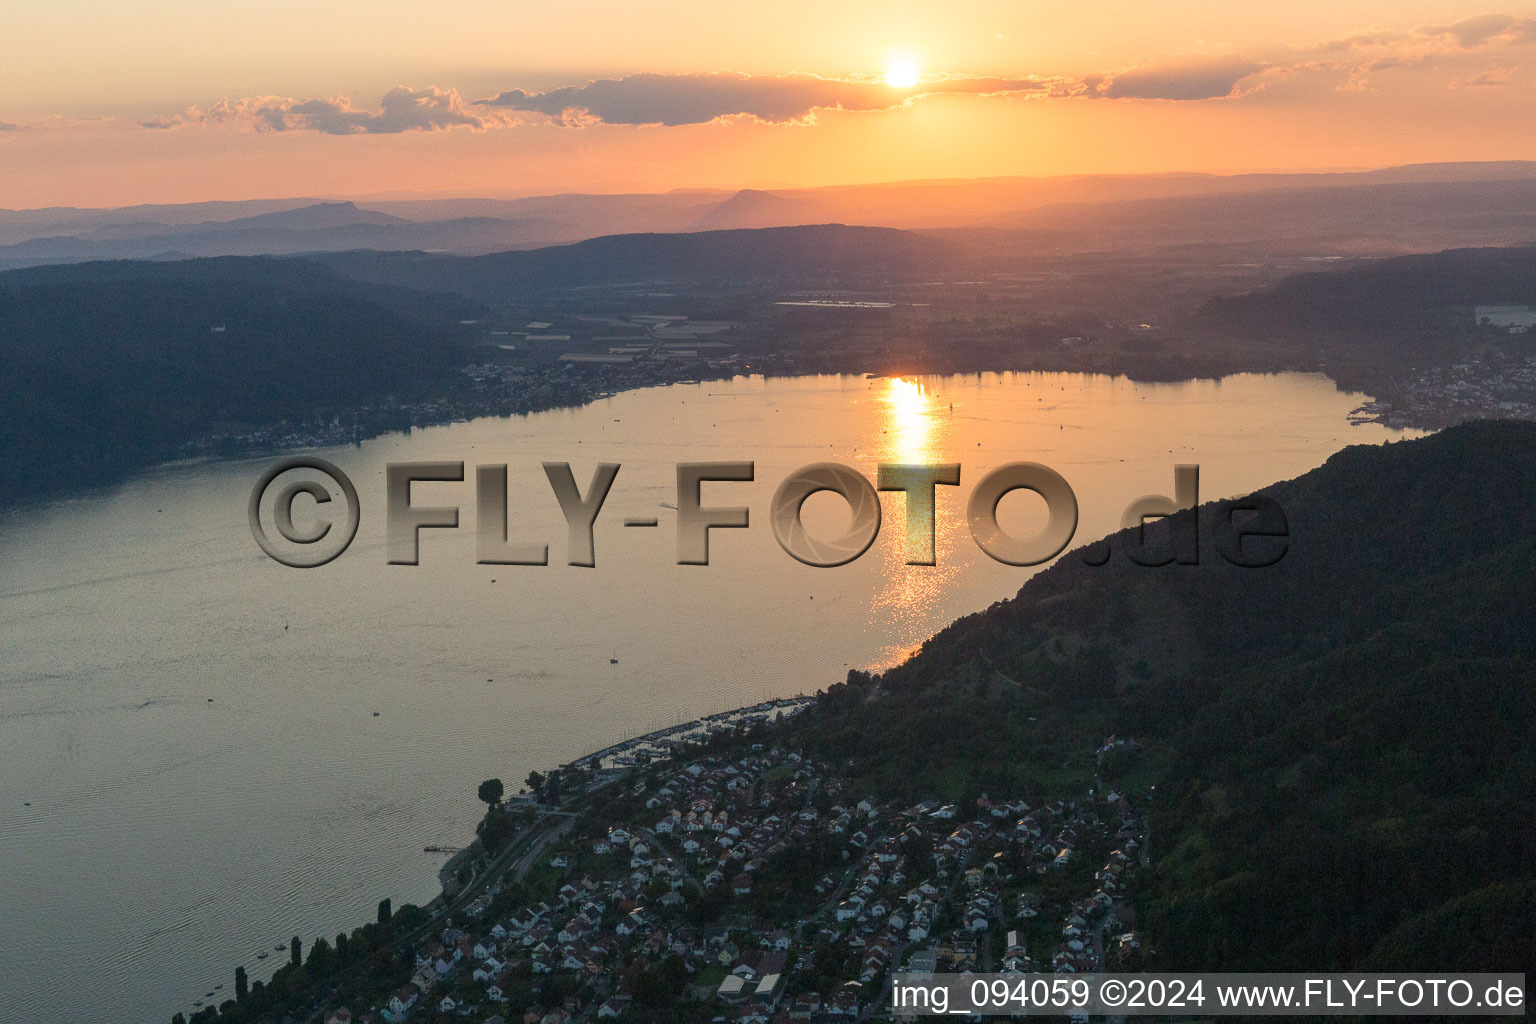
(773,892)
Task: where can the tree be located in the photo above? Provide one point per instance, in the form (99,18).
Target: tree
(296,952)
(536,783)
(491,791)
(495,828)
(384,913)
(178,1018)
(662,984)
(321,961)
(242,987)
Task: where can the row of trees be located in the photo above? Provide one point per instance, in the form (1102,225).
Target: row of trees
(358,966)
(546,789)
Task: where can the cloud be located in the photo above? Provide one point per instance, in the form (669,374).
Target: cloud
(657,99)
(1483,29)
(1479,31)
(7,126)
(401,110)
(684,99)
(1493,76)
(1203,78)
(1360,41)
(1462,52)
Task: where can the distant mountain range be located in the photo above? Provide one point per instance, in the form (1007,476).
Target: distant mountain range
(1361,217)
(1396,209)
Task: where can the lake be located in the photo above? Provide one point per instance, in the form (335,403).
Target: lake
(220,752)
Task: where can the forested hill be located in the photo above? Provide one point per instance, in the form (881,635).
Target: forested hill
(107,367)
(1389,296)
(1343,745)
(830,255)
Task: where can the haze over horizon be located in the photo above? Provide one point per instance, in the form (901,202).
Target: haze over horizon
(167,102)
(1431,170)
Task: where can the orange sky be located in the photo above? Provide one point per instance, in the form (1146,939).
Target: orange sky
(169,100)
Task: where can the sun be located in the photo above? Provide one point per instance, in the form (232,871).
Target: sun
(902,70)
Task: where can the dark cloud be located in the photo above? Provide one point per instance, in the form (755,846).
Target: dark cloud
(401,110)
(701,98)
(1486,28)
(1206,78)
(658,99)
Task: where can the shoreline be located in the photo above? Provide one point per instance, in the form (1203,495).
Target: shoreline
(12,504)
(668,737)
